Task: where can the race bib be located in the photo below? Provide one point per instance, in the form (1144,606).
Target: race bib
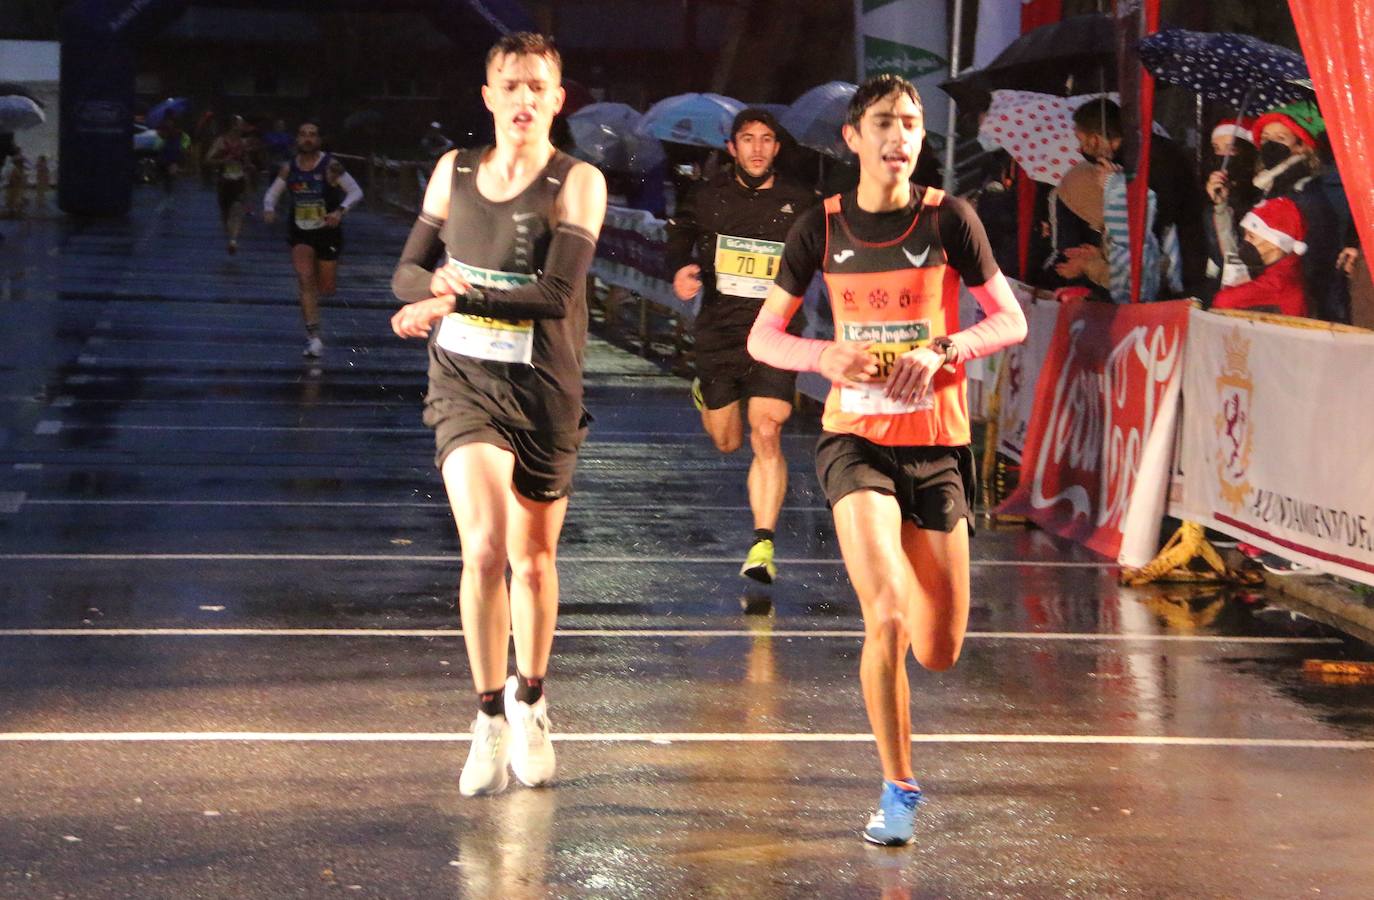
(480,337)
(233,170)
(889,341)
(309,214)
(746,267)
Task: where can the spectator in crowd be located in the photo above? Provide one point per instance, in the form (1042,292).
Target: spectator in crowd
(1172,179)
(435,143)
(1291,166)
(1232,192)
(1274,245)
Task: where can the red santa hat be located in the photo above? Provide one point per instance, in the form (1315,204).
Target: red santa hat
(1278,221)
(1302,132)
(1241,129)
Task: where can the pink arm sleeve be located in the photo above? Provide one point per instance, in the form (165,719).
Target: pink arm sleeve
(770,343)
(1005,323)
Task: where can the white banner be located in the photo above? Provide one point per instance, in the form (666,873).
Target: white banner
(908,38)
(1277,434)
(999,23)
(629,255)
(1023,363)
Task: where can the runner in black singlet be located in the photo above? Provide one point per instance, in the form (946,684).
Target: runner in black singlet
(494,272)
(320,193)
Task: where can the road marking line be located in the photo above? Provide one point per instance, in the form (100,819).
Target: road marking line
(690,737)
(645,632)
(383,557)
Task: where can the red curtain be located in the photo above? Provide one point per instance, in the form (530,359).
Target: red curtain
(1138,194)
(1034,13)
(1338,40)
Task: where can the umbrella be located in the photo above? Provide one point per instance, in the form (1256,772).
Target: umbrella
(1037,130)
(1079,52)
(607,135)
(815,118)
(702,120)
(1235,68)
(172,106)
(18,108)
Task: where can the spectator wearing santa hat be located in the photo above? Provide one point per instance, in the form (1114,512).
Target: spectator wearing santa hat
(1233,165)
(1274,245)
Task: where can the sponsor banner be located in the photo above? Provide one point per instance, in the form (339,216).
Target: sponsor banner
(1104,406)
(908,38)
(1276,440)
(1023,363)
(629,254)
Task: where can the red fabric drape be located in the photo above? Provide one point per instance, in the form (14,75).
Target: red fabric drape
(1040,12)
(1138,195)
(1338,40)
(1034,14)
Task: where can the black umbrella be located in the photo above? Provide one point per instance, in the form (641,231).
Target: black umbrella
(1075,56)
(1238,69)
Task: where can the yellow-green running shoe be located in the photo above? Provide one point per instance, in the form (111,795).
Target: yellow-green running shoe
(758,565)
(698,400)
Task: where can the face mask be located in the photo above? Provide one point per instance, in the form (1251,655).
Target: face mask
(753,182)
(1250,255)
(1272,153)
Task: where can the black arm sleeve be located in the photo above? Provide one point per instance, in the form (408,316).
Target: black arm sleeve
(683,229)
(565,269)
(422,252)
(802,255)
(966,242)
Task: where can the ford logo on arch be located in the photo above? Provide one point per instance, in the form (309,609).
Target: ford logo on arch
(101,113)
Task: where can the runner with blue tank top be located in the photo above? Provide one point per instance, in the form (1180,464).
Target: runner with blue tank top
(498,261)
(320,194)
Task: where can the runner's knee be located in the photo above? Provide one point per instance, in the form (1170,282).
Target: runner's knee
(939,655)
(534,569)
(485,555)
(886,622)
(765,436)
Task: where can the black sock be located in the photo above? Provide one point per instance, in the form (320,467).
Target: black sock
(493,703)
(528,690)
(763,534)
(312,330)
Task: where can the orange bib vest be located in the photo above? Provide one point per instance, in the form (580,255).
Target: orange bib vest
(897,295)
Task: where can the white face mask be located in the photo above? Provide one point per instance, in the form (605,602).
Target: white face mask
(1265,179)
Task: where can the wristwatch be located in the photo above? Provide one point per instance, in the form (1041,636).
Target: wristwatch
(946,346)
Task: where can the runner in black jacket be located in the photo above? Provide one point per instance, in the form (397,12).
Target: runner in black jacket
(725,242)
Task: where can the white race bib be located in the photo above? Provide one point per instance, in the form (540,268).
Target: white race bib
(481,337)
(746,267)
(889,341)
(309,214)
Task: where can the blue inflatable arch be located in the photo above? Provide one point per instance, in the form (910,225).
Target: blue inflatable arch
(100,39)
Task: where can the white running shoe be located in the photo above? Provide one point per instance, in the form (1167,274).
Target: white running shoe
(314,348)
(531,754)
(485,770)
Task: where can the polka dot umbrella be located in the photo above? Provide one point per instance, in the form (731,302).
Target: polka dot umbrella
(1238,69)
(1037,130)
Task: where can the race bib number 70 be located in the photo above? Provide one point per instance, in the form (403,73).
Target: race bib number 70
(746,267)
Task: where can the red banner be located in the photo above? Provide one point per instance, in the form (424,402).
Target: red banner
(1104,394)
(1335,37)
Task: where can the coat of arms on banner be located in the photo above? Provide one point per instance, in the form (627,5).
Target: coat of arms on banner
(1235,435)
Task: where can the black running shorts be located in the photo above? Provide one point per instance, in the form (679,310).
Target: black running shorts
(229,191)
(934,486)
(728,376)
(544,461)
(326,241)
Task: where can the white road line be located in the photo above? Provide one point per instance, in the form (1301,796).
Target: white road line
(389,504)
(1078,636)
(672,737)
(368,429)
(386,557)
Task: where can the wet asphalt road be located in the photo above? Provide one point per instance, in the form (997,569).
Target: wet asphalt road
(230,663)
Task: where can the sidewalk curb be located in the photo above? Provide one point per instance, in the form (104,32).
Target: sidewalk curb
(1334,603)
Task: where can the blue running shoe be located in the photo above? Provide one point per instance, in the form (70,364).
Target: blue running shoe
(894,822)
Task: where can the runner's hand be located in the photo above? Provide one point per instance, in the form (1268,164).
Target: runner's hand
(912,375)
(447,282)
(687,282)
(269,216)
(416,319)
(849,362)
(333,219)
